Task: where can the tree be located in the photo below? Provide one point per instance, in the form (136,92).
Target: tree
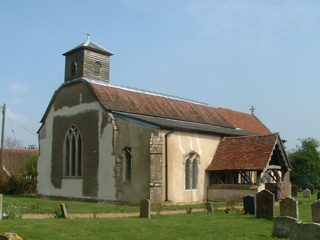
(305,160)
(30,166)
(10,142)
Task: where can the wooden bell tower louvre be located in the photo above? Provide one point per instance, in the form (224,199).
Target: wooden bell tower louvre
(87,60)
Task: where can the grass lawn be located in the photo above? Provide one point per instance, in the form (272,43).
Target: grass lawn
(196,225)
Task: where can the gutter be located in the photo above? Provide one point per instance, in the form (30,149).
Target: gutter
(166,163)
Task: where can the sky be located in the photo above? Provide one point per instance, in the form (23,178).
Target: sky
(228,53)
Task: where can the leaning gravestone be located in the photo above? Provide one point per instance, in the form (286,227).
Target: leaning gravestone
(249,205)
(306,193)
(289,208)
(315,207)
(145,208)
(209,206)
(0,206)
(63,209)
(311,188)
(265,204)
(294,190)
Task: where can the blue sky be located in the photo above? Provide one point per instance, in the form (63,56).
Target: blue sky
(228,53)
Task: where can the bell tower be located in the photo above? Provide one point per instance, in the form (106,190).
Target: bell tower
(87,60)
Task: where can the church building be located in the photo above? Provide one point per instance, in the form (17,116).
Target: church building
(102,142)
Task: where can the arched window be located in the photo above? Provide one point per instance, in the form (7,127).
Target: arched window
(192,160)
(73,153)
(188,178)
(195,174)
(127,164)
(96,68)
(74,68)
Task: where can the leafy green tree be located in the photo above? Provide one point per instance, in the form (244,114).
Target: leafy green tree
(30,166)
(305,160)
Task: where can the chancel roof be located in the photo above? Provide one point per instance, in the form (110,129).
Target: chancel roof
(247,153)
(246,121)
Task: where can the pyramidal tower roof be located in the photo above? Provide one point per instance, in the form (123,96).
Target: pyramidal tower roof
(88,44)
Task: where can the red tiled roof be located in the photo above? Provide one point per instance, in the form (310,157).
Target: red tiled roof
(124,100)
(243,153)
(134,101)
(244,121)
(13,159)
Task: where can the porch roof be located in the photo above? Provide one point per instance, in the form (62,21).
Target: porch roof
(244,153)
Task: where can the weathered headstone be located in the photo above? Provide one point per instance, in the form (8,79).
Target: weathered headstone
(294,190)
(311,188)
(10,236)
(282,226)
(0,206)
(318,195)
(64,212)
(265,204)
(209,206)
(249,206)
(315,207)
(306,193)
(145,208)
(289,208)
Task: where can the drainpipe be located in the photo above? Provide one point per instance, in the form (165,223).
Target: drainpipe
(166,163)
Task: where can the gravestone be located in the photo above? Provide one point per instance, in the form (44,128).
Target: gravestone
(318,195)
(249,206)
(0,206)
(64,212)
(311,188)
(209,206)
(289,208)
(265,204)
(10,236)
(306,193)
(145,208)
(294,190)
(315,207)
(282,226)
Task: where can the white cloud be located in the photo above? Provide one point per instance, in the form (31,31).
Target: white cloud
(16,87)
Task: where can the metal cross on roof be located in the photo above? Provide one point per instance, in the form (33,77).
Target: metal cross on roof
(252,109)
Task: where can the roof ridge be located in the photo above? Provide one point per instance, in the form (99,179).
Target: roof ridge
(145,92)
(257,135)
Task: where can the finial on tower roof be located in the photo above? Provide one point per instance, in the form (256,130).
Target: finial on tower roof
(88,36)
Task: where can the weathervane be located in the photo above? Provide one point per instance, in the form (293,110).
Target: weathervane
(252,110)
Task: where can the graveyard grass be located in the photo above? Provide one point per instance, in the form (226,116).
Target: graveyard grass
(195,225)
